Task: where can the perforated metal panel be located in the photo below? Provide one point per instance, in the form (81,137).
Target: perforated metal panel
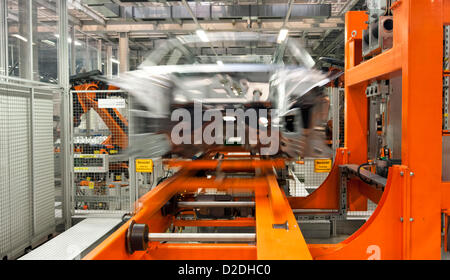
(5,242)
(43,172)
(306,179)
(19,166)
(26,167)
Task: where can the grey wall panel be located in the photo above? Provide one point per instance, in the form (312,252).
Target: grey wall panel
(44,189)
(26,201)
(4,176)
(19,170)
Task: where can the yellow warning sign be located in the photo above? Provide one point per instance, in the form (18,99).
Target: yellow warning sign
(87,156)
(144,165)
(322,165)
(80,168)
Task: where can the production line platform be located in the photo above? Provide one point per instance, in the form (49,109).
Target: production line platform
(413,202)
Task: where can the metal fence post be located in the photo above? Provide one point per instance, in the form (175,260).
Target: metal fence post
(3,38)
(66,147)
(334,94)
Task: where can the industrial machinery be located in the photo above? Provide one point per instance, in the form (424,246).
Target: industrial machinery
(377,38)
(413,198)
(100,172)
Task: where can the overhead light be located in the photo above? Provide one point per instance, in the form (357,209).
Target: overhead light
(220,62)
(115,61)
(202,35)
(48,42)
(282,35)
(77,43)
(20,37)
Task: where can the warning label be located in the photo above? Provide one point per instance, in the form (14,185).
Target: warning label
(322,165)
(144,165)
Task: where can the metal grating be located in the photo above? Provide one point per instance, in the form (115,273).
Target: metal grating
(100,135)
(19,169)
(306,180)
(5,215)
(26,162)
(44,188)
(357,215)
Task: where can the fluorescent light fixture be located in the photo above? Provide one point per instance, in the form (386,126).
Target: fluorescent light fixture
(115,61)
(77,43)
(282,35)
(48,42)
(219,62)
(20,37)
(236,140)
(202,35)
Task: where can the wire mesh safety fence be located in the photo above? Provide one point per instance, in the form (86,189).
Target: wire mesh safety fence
(28,117)
(101,179)
(305,178)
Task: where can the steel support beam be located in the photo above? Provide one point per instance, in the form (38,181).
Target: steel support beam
(124,52)
(189,27)
(73,62)
(202,237)
(25,41)
(99,55)
(3,38)
(66,120)
(76,4)
(109,61)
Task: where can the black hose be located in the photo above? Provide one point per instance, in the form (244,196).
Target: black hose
(359,173)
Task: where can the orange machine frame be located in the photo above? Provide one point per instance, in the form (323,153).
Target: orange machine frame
(407,222)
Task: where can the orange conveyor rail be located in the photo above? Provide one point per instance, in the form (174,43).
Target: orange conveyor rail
(277,233)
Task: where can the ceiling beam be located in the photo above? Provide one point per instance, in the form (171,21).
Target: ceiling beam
(76,4)
(187,27)
(345,8)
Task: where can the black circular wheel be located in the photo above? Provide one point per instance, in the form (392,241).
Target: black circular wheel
(137,237)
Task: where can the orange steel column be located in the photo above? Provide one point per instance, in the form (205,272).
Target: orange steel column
(355,98)
(356,108)
(421,33)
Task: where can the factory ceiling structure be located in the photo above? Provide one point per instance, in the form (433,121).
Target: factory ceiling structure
(319,25)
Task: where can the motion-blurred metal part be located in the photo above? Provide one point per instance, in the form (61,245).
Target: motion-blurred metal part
(290,91)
